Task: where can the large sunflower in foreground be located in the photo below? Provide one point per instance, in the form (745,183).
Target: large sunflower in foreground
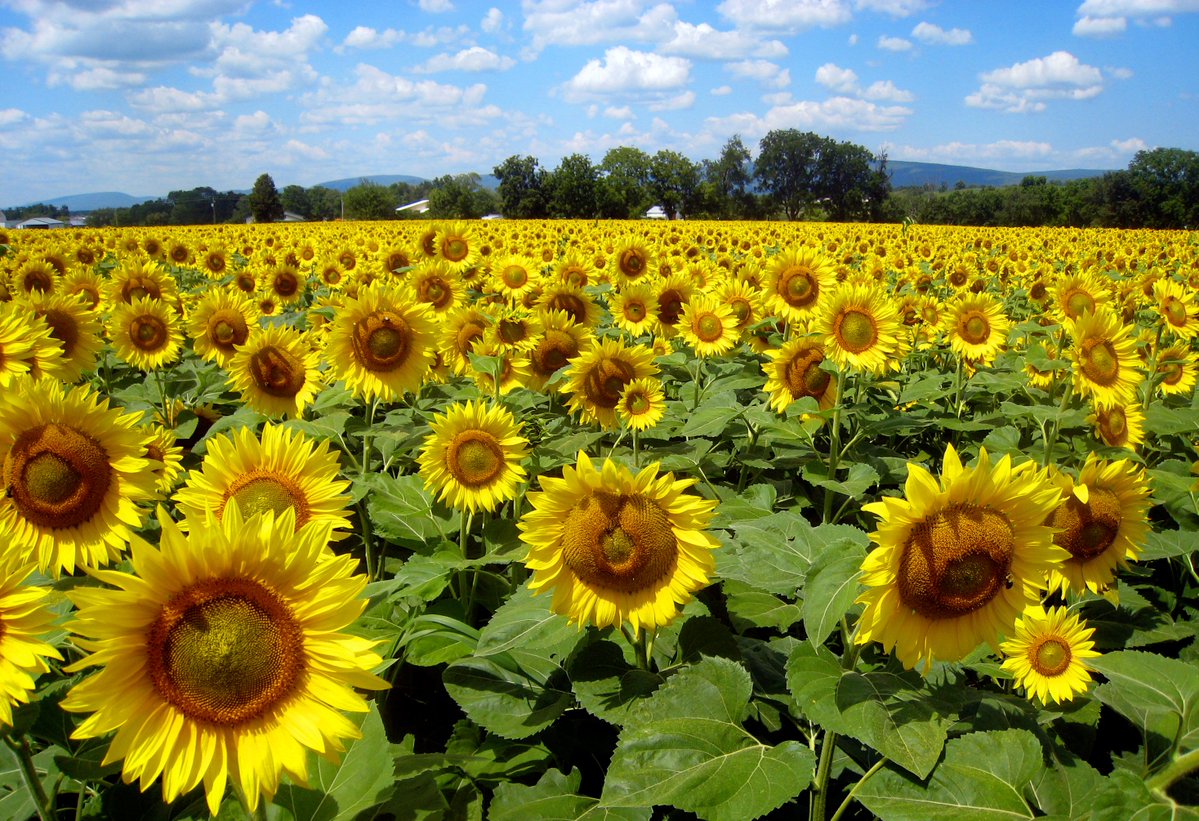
(276,372)
(1105,359)
(1047,654)
(956,561)
(26,618)
(74,470)
(1103,521)
(793,372)
(616,548)
(798,282)
(472,457)
(381,344)
(281,470)
(223,656)
(599,375)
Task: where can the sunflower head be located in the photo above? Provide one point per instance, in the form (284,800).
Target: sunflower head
(472,457)
(1047,654)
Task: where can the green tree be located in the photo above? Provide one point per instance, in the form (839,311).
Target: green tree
(369,201)
(295,199)
(786,169)
(574,188)
(674,182)
(460,197)
(522,189)
(265,205)
(851,182)
(729,177)
(1167,182)
(624,183)
(323,203)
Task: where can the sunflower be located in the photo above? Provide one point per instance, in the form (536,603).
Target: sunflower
(1120,426)
(1105,359)
(145,333)
(956,561)
(632,260)
(166,458)
(35,275)
(461,332)
(599,375)
(1178,308)
(1077,294)
(793,372)
(276,372)
(797,280)
(977,327)
(74,469)
(560,342)
(617,548)
(472,457)
(743,300)
(514,275)
(1102,522)
(632,309)
(285,283)
(860,327)
(86,285)
(673,293)
(26,617)
(27,346)
(223,656)
(436,285)
(329,271)
(220,322)
(558,296)
(1047,654)
(513,329)
(214,261)
(140,280)
(381,344)
(1179,370)
(73,325)
(457,246)
(280,470)
(708,326)
(572,269)
(642,404)
(512,370)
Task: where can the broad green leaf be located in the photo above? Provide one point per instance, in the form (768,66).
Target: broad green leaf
(1165,544)
(1124,796)
(982,777)
(759,609)
(830,591)
(15,801)
(709,421)
(1003,441)
(328,425)
(403,511)
(525,622)
(754,502)
(1068,789)
(513,694)
(685,747)
(555,798)
(360,780)
(1155,693)
(897,714)
(606,684)
(860,479)
(705,636)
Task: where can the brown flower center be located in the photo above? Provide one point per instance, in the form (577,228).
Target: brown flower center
(381,340)
(259,491)
(708,327)
(58,476)
(1079,303)
(803,375)
(606,380)
(226,651)
(1099,361)
(554,350)
(474,458)
(955,561)
(974,328)
(277,372)
(855,330)
(632,263)
(227,329)
(618,541)
(1050,657)
(798,287)
(1088,529)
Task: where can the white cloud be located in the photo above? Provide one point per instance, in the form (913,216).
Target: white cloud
(706,43)
(895,8)
(934,35)
(257,123)
(376,96)
(567,23)
(789,16)
(955,153)
(1137,8)
(1130,146)
(1024,87)
(493,21)
(436,6)
(1099,26)
(619,113)
(1119,73)
(475,58)
(835,113)
(721,91)
(894,43)
(887,90)
(832,76)
(365,37)
(765,72)
(853,39)
(12,116)
(623,71)
(294,149)
(677,103)
(99,78)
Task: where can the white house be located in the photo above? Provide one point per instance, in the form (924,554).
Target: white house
(418,207)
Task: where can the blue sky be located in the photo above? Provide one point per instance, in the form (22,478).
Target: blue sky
(147,96)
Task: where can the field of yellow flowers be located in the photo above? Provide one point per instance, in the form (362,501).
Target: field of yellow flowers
(604,520)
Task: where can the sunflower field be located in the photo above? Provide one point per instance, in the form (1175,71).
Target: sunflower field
(608,520)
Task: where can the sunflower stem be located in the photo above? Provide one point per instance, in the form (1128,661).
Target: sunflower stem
(1054,425)
(365,465)
(878,765)
(168,418)
(636,450)
(1152,382)
(699,385)
(1179,768)
(819,798)
(20,746)
(834,454)
(643,647)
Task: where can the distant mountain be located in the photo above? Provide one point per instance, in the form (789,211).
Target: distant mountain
(78,203)
(378,179)
(905,174)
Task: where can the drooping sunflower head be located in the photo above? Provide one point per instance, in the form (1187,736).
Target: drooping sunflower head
(1102,522)
(793,372)
(1178,308)
(561,341)
(617,548)
(381,343)
(75,326)
(472,458)
(276,371)
(1047,654)
(235,656)
(957,560)
(1119,426)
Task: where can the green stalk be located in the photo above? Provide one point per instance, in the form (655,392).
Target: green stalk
(45,809)
(834,451)
(820,784)
(1152,382)
(1179,768)
(854,791)
(636,450)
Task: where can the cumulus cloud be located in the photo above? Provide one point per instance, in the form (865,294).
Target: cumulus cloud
(835,113)
(677,103)
(894,43)
(764,72)
(887,90)
(721,91)
(555,23)
(707,43)
(493,21)
(475,58)
(788,16)
(845,81)
(933,35)
(1107,18)
(367,38)
(623,71)
(895,8)
(1024,87)
(955,153)
(1099,26)
(436,6)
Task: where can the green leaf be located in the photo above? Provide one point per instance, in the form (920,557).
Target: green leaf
(860,479)
(1124,796)
(759,609)
(1165,544)
(606,684)
(685,747)
(525,622)
(555,798)
(1003,441)
(709,421)
(1157,694)
(16,802)
(830,590)
(897,714)
(514,694)
(1068,789)
(361,780)
(402,511)
(983,776)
